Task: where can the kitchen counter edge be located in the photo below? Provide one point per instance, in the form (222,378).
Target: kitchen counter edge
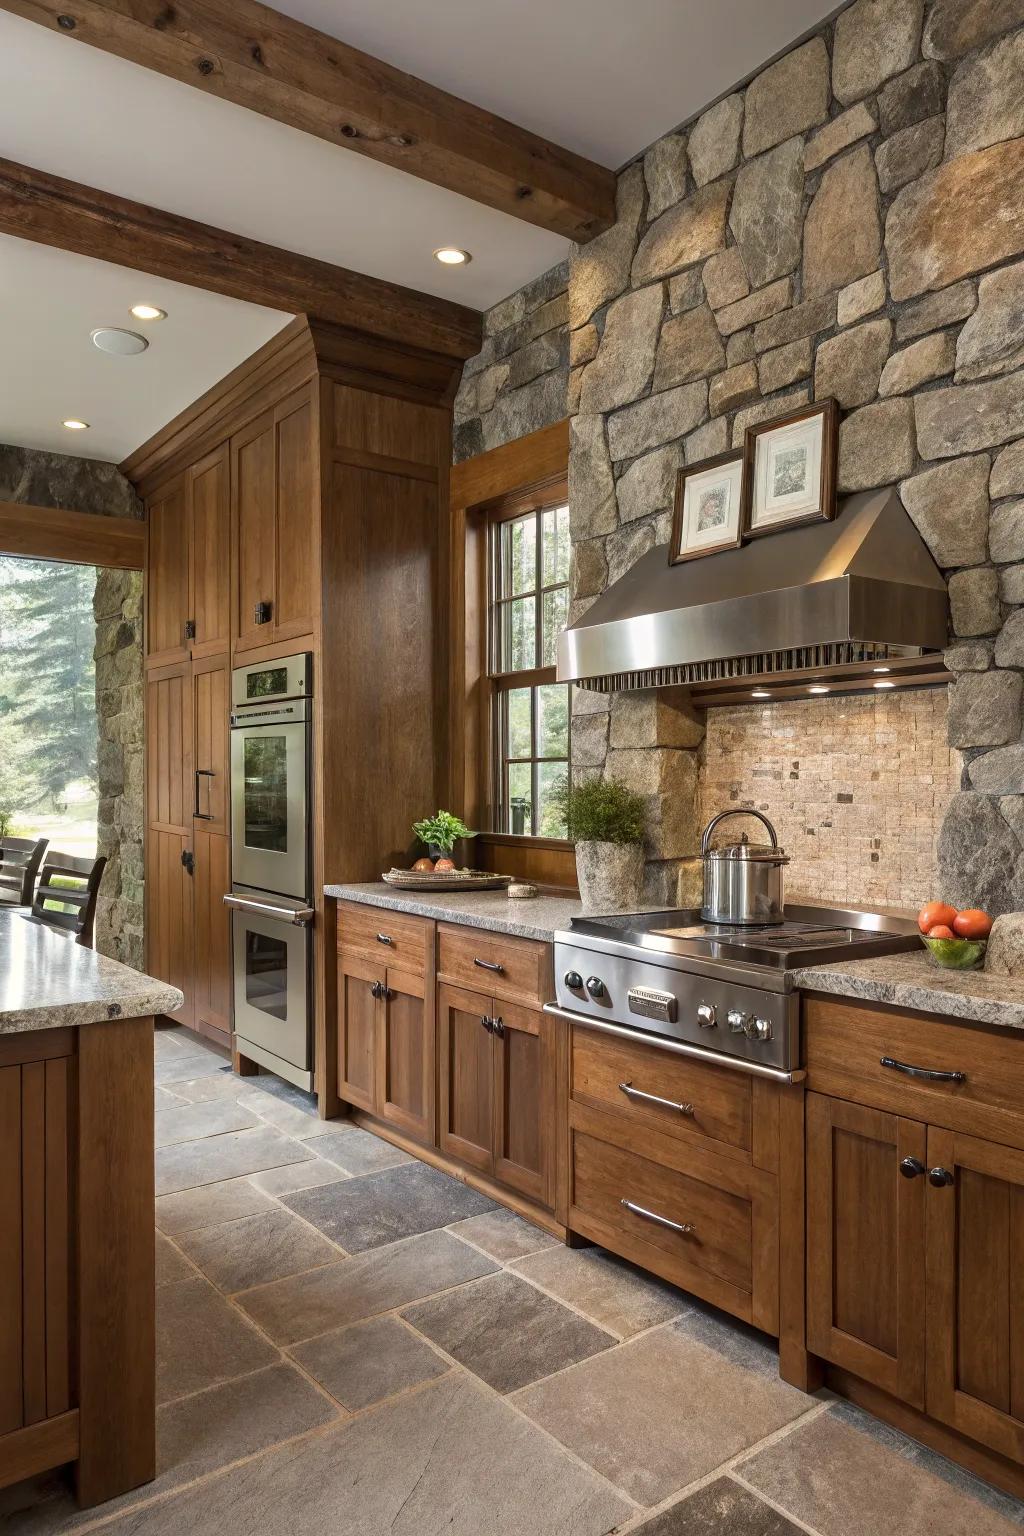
(913,981)
(539,917)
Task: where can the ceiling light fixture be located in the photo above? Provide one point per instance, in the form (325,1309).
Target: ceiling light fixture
(760,693)
(881,669)
(148,312)
(74,425)
(817,688)
(117,342)
(452,256)
(883,685)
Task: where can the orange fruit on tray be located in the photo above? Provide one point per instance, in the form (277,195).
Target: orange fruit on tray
(935,913)
(443,866)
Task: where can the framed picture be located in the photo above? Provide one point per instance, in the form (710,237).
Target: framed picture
(709,507)
(790,469)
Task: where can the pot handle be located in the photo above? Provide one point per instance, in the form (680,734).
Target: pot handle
(705,842)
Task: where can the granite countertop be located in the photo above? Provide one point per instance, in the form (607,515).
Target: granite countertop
(537,918)
(47,981)
(911,980)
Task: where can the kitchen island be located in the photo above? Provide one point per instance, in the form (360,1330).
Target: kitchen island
(77,1349)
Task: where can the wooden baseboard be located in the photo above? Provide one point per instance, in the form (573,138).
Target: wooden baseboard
(435,1159)
(986,1464)
(38,1448)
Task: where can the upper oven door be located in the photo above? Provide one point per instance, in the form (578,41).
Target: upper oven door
(269,795)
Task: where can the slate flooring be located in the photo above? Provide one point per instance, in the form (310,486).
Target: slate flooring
(350,1343)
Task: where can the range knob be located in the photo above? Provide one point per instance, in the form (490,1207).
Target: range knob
(758,1029)
(738,1021)
(574,981)
(706,1016)
(595,986)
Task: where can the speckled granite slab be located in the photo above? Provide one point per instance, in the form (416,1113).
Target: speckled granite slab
(47,981)
(912,981)
(537,918)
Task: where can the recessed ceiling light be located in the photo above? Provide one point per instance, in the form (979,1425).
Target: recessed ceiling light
(74,425)
(881,669)
(148,312)
(760,693)
(883,685)
(452,256)
(119,343)
(817,688)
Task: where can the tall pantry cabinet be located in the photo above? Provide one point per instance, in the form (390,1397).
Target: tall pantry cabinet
(301,505)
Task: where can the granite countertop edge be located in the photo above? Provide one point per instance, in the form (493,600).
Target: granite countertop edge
(122,1004)
(539,917)
(911,980)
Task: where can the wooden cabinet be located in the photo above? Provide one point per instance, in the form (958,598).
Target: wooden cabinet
(497,1089)
(188,563)
(169,905)
(167,573)
(276,525)
(358,982)
(211,949)
(211,702)
(386,1043)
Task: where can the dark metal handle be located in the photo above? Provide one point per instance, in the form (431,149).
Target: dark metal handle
(654,1098)
(201,773)
(188,861)
(261,613)
(685,1227)
(498,1028)
(377,989)
(941,1178)
(190,629)
(930,1074)
(911,1167)
(487,1022)
(384,938)
(489,965)
(387,993)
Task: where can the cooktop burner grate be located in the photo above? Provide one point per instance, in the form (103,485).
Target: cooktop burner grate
(813,939)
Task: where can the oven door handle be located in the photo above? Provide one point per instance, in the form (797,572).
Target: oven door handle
(301,917)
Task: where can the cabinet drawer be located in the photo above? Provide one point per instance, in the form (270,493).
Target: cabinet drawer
(703,1101)
(392,938)
(846,1044)
(506,967)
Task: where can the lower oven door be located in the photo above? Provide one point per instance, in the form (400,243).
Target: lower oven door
(272,972)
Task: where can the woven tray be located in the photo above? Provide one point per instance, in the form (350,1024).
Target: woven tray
(447,880)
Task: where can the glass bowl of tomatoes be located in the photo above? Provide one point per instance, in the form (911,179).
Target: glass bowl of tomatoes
(956,940)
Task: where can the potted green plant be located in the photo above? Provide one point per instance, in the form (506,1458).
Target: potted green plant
(440,833)
(605,820)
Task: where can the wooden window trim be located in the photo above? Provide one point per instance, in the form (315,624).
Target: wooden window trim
(74,538)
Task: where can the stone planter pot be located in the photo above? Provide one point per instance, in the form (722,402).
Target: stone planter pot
(610,876)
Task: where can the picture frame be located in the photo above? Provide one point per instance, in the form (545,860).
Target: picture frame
(708,515)
(789,469)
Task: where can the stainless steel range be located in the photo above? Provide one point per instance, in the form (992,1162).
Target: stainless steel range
(710,990)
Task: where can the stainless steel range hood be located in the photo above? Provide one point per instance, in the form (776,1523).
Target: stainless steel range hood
(863,586)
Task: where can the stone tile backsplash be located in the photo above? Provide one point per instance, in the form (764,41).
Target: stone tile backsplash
(856,789)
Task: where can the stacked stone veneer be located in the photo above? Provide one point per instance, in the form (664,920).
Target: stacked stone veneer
(850,224)
(87,485)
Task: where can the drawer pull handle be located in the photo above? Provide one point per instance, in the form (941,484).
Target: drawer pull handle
(653,1098)
(384,938)
(489,965)
(685,1227)
(929,1074)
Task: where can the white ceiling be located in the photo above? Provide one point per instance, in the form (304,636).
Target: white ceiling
(50,301)
(599,76)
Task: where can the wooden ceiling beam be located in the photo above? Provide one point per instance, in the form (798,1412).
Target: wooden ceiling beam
(37,206)
(244,52)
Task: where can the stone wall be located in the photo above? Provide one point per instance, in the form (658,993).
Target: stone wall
(517,382)
(850,224)
(86,485)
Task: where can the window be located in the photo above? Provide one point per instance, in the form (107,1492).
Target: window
(528,609)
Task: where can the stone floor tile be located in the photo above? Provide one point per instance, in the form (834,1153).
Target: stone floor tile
(191,1121)
(168,1070)
(206,1205)
(845,1472)
(615,1294)
(208,1161)
(660,1412)
(173,1041)
(357,1151)
(163,1098)
(722,1508)
(196,1436)
(287,1117)
(506,1331)
(293,1176)
(364,1286)
(370,1361)
(218,1084)
(288,1093)
(257,1249)
(202,1339)
(504,1235)
(449,1457)
(381,1208)
(733,1340)
(170,1264)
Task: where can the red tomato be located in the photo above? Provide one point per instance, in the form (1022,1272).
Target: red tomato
(972,924)
(941,931)
(935,912)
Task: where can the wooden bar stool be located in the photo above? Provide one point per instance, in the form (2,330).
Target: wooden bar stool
(69,881)
(20,858)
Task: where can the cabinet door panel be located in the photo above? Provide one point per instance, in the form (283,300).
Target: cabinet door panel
(865,1237)
(211,682)
(523,1101)
(467,1077)
(253,482)
(168,750)
(210,574)
(212,881)
(405,1056)
(358,1012)
(169,916)
(298,560)
(975,1293)
(167,585)
(11,1415)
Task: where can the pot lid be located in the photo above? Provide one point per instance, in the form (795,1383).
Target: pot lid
(752,852)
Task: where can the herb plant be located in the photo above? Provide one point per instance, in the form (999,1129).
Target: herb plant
(600,811)
(441,831)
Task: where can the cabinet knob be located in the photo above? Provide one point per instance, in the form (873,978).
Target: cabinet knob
(261,613)
(190,629)
(377,989)
(911,1167)
(487,1022)
(941,1178)
(498,1028)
